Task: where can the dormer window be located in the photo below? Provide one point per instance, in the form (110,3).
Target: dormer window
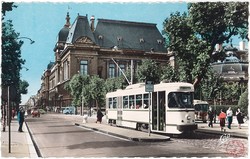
(159,41)
(100,37)
(119,38)
(142,40)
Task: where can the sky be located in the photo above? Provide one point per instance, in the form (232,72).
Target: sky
(42,21)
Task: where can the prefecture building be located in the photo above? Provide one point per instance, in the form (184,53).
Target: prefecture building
(88,49)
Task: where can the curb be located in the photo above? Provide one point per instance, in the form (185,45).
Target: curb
(125,137)
(215,132)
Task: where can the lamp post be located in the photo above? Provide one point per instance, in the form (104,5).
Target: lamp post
(31,41)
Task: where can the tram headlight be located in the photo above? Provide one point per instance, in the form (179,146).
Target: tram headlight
(188,117)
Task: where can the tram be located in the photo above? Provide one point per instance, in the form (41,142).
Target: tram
(168,109)
(201,110)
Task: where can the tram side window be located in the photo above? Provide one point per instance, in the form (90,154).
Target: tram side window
(132,102)
(110,103)
(145,101)
(125,102)
(114,102)
(138,101)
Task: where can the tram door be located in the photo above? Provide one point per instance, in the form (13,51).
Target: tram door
(119,112)
(158,111)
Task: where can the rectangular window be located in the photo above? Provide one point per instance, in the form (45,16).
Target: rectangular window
(111,70)
(138,101)
(65,70)
(132,102)
(125,102)
(145,101)
(114,102)
(84,67)
(122,67)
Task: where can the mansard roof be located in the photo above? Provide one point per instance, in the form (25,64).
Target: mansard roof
(80,28)
(128,35)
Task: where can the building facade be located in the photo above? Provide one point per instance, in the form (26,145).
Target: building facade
(104,50)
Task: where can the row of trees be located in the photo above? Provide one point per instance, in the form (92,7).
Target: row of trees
(11,60)
(192,36)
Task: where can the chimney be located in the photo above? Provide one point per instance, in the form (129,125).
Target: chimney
(92,23)
(242,45)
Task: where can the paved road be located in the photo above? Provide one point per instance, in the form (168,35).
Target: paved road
(57,136)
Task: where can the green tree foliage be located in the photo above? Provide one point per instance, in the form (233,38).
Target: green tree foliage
(84,88)
(24,87)
(243,102)
(11,57)
(149,70)
(97,91)
(194,35)
(7,6)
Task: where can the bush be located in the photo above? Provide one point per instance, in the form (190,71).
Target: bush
(224,108)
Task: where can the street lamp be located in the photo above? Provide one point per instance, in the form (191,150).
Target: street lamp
(31,41)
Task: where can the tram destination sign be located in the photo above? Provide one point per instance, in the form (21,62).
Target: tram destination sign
(149,86)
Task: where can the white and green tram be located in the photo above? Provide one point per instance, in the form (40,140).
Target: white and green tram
(168,109)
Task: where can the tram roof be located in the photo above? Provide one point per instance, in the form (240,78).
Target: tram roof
(140,88)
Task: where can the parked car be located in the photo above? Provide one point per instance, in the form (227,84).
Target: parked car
(69,110)
(35,112)
(42,111)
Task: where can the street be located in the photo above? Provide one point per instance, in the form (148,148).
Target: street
(56,136)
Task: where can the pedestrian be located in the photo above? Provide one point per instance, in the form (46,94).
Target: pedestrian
(239,116)
(229,117)
(222,118)
(99,116)
(20,118)
(13,113)
(210,116)
(3,117)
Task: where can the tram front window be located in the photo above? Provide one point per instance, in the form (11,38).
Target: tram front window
(180,100)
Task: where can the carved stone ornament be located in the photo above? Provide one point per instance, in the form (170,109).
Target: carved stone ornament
(84,40)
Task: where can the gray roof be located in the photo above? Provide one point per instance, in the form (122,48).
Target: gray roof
(128,35)
(80,28)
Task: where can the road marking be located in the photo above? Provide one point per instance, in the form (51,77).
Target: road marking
(105,134)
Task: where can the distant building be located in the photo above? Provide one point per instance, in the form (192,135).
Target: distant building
(83,49)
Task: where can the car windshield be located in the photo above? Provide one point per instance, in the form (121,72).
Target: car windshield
(180,100)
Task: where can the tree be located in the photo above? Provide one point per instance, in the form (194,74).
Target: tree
(194,35)
(243,102)
(97,91)
(11,58)
(149,70)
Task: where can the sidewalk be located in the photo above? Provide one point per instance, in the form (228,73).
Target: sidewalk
(234,131)
(21,144)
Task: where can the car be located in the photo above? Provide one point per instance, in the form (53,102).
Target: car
(35,112)
(42,111)
(69,110)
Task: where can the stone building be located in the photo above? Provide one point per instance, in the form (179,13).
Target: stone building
(83,48)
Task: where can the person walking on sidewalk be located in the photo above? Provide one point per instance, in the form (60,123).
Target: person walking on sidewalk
(222,118)
(229,117)
(99,116)
(210,116)
(239,116)
(20,118)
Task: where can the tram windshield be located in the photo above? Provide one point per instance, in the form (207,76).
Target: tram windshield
(201,107)
(180,100)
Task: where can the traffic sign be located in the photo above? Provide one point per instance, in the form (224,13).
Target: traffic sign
(149,86)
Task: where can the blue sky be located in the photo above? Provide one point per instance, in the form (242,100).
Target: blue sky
(41,21)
